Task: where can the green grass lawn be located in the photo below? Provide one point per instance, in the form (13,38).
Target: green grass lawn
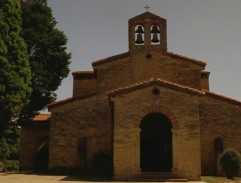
(216,179)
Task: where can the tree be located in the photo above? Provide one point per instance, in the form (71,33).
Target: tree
(9,147)
(14,66)
(48,58)
(14,80)
(230,161)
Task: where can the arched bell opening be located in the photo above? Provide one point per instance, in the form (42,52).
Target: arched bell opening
(139,35)
(155,35)
(156,143)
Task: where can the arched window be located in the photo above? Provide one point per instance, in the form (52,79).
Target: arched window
(139,35)
(155,35)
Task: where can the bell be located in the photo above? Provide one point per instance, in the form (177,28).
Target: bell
(139,39)
(155,38)
(139,29)
(155,29)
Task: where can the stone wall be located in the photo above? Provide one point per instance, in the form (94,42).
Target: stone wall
(221,119)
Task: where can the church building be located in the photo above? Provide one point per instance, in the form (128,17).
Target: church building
(149,109)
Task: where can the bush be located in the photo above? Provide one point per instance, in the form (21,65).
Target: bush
(11,165)
(230,161)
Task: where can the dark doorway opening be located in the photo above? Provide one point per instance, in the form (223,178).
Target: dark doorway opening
(156,143)
(41,158)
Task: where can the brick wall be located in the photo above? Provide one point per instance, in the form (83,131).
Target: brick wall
(184,114)
(71,122)
(218,119)
(32,136)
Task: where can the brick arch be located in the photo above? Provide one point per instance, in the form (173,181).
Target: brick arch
(157,109)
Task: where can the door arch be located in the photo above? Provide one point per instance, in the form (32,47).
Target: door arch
(155,143)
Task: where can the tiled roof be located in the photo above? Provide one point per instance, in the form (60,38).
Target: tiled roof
(222,97)
(145,15)
(112,58)
(71,99)
(83,74)
(41,117)
(170,54)
(157,81)
(150,82)
(177,56)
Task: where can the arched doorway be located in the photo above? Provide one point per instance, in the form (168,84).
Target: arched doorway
(41,158)
(155,143)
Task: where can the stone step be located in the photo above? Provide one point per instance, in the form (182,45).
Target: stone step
(158,177)
(165,175)
(157,180)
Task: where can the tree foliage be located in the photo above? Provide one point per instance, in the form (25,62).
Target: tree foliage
(48,57)
(9,147)
(14,66)
(230,161)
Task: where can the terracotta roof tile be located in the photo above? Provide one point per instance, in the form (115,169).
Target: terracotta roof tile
(110,59)
(170,54)
(41,117)
(150,82)
(222,97)
(145,15)
(177,56)
(83,74)
(71,99)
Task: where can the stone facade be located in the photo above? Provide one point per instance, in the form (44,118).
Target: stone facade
(115,106)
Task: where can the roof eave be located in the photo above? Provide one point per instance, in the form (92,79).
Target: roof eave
(68,100)
(153,81)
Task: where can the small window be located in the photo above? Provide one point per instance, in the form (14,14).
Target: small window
(155,91)
(82,151)
(218,145)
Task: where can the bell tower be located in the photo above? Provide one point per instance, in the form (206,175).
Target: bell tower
(147,31)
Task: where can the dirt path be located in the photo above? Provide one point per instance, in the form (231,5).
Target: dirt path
(33,178)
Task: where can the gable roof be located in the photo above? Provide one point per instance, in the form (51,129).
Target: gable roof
(188,59)
(146,15)
(69,100)
(222,97)
(126,54)
(150,82)
(110,59)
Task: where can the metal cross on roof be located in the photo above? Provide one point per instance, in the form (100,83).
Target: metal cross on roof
(147,7)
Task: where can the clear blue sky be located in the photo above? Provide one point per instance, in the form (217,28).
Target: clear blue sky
(207,30)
